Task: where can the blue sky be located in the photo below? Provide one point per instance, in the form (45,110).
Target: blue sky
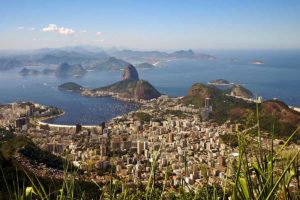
(152,24)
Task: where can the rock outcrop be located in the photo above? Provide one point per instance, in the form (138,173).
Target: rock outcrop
(131,86)
(130,73)
(240,91)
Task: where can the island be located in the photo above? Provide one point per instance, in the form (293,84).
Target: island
(257,62)
(71,87)
(219,82)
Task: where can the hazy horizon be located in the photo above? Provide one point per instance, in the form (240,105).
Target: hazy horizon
(155,25)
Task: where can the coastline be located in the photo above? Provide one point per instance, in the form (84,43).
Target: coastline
(42,119)
(113,95)
(297,109)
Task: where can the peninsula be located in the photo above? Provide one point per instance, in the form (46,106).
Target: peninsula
(130,88)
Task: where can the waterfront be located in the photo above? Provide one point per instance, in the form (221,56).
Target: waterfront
(278,77)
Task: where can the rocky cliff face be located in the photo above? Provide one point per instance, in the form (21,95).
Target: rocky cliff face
(130,73)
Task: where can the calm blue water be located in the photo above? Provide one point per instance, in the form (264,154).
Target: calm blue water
(279,77)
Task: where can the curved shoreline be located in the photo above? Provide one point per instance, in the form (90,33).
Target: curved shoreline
(65,125)
(42,121)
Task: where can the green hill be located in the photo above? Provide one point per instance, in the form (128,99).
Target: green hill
(129,88)
(237,110)
(70,86)
(14,177)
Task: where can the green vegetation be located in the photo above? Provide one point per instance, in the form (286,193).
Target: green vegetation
(27,148)
(259,172)
(70,86)
(143,117)
(239,111)
(130,88)
(17,183)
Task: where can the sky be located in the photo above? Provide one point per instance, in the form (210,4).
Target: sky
(151,24)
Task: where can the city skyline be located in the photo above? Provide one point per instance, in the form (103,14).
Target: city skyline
(150,25)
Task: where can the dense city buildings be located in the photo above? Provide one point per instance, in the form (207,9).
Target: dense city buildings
(187,145)
(173,138)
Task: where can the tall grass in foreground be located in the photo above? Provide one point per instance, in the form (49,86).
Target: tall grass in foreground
(265,175)
(261,173)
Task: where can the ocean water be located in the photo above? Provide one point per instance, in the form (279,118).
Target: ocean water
(279,78)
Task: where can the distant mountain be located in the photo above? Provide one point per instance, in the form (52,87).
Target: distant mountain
(240,91)
(70,86)
(93,58)
(26,72)
(139,54)
(57,57)
(110,63)
(9,63)
(145,65)
(70,70)
(154,55)
(130,73)
(183,54)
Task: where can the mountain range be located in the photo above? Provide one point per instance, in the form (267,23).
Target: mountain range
(92,58)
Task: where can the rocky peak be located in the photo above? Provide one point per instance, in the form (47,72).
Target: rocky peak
(130,73)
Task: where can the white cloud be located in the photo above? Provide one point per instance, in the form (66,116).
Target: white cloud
(60,30)
(20,27)
(83,31)
(31,29)
(98,33)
